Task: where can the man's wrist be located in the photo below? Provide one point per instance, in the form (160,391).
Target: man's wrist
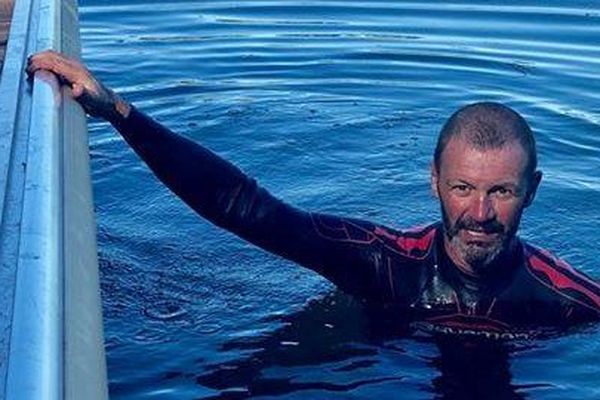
(122,107)
(119,109)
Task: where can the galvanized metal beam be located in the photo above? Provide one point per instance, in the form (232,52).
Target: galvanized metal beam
(51,340)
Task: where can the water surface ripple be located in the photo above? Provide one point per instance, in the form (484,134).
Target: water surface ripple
(335,107)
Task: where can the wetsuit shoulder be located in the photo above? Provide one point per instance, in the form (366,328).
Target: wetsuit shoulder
(573,287)
(395,260)
(414,243)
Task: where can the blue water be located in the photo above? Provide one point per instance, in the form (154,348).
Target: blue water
(335,107)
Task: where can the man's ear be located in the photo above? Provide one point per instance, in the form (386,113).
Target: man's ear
(435,178)
(533,186)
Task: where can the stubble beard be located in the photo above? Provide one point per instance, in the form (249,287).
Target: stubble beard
(480,256)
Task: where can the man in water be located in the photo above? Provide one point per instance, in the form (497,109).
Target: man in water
(469,273)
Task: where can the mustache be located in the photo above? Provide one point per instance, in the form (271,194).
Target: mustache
(488,227)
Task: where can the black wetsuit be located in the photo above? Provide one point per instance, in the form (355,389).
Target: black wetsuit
(406,270)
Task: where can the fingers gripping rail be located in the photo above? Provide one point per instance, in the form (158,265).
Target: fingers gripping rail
(51,340)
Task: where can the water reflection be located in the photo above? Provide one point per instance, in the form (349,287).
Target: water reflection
(473,370)
(338,345)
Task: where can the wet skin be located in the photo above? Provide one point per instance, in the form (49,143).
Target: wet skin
(483,193)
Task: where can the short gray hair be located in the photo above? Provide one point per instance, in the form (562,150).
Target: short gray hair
(488,125)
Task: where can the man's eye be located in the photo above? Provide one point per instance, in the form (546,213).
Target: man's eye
(502,192)
(461,189)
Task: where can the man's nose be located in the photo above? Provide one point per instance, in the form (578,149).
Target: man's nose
(482,208)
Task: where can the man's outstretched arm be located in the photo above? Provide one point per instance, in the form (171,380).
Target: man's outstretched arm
(344,251)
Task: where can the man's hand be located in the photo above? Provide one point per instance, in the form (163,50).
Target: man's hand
(96,99)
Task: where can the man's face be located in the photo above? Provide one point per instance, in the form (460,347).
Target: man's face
(482,195)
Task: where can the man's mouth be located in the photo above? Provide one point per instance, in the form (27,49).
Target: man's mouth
(479,235)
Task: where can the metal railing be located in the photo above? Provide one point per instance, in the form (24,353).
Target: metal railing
(51,337)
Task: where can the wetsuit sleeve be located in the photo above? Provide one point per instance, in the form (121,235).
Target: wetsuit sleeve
(342,250)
